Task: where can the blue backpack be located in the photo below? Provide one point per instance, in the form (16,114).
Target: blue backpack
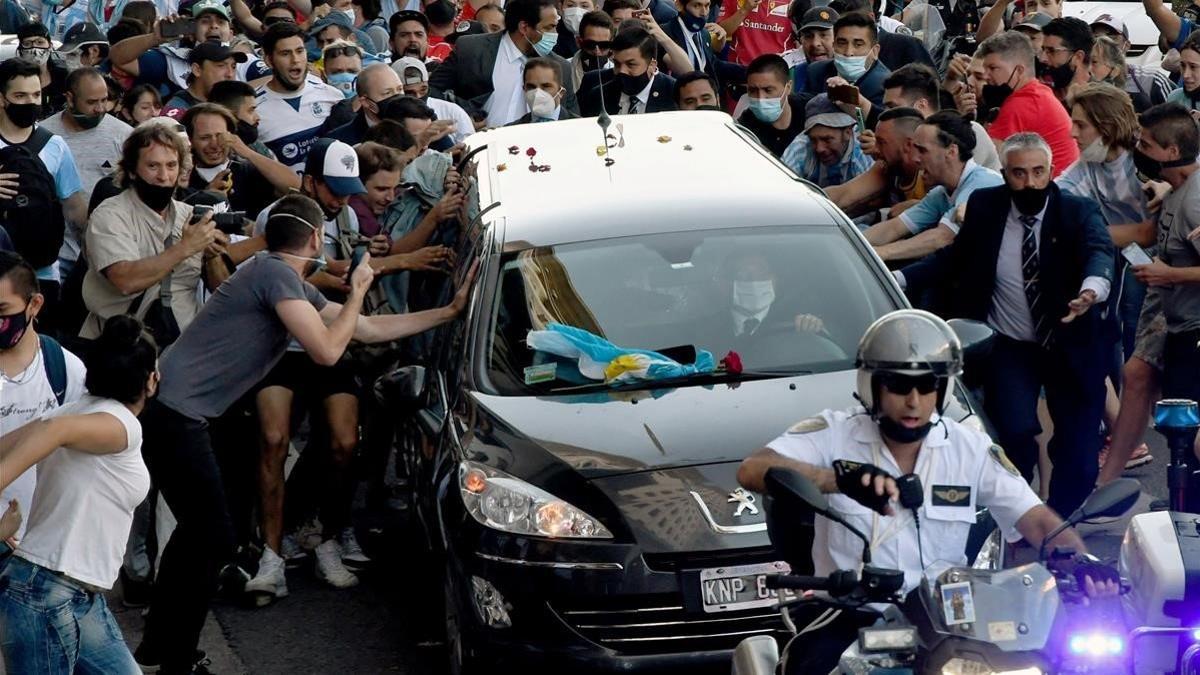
(55,364)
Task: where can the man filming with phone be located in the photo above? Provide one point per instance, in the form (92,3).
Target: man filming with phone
(908,362)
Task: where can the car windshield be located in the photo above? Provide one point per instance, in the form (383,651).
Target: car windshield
(785,299)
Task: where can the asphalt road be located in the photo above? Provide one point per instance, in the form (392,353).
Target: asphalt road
(391,622)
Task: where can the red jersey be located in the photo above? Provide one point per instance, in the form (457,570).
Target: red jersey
(765,30)
(1035,108)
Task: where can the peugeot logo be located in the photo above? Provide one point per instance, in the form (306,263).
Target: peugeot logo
(744,500)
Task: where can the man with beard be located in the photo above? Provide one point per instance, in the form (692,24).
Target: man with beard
(1065,58)
(150,59)
(222,163)
(94,137)
(292,105)
(894,180)
(410,34)
(238,97)
(1016,102)
(828,152)
(210,63)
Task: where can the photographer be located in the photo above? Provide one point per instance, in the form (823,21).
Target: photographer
(237,339)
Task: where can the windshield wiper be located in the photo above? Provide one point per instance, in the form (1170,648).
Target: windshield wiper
(712,377)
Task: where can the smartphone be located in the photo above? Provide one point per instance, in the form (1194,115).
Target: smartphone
(862,124)
(198,213)
(844,93)
(178,28)
(355,258)
(1136,255)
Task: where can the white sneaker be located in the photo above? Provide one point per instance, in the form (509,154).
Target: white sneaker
(330,567)
(269,584)
(308,535)
(352,553)
(291,552)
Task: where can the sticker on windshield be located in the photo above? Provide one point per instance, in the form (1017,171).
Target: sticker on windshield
(1002,631)
(957,604)
(543,372)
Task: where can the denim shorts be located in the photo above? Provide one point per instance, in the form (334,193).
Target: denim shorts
(49,625)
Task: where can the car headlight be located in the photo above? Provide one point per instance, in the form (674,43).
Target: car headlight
(960,666)
(509,504)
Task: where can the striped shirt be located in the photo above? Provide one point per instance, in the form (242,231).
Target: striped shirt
(798,157)
(1114,185)
(291,123)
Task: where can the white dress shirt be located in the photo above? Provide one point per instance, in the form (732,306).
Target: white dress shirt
(453,112)
(1010,313)
(642,97)
(507,102)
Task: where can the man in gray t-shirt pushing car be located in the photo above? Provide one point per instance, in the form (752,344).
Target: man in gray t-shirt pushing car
(233,342)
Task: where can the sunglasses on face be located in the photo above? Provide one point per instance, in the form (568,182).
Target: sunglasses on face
(347,50)
(901,385)
(589,45)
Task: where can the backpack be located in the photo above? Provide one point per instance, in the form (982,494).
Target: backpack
(33,218)
(55,364)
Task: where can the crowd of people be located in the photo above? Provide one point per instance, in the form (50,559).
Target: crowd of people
(204,203)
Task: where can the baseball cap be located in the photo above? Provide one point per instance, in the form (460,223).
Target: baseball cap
(336,164)
(407,63)
(821,18)
(331,19)
(82,34)
(406,15)
(1112,22)
(821,111)
(1034,22)
(216,6)
(211,50)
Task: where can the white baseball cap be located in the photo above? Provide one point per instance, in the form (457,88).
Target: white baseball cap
(410,62)
(336,164)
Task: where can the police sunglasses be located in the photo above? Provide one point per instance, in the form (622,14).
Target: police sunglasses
(901,385)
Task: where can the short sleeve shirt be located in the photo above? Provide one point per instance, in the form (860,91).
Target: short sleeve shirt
(1034,108)
(291,122)
(938,205)
(960,469)
(1180,214)
(60,164)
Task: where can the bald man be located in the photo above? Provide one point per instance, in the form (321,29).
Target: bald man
(375,84)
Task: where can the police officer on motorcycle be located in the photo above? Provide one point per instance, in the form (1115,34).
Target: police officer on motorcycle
(907,362)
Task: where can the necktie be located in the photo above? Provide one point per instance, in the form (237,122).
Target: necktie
(750,326)
(633,105)
(1033,294)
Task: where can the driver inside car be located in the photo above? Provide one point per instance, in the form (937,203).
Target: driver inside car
(907,361)
(751,284)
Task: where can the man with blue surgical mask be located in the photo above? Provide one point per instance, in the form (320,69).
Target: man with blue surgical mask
(855,62)
(774,113)
(343,63)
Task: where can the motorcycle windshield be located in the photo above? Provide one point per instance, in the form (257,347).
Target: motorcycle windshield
(925,22)
(1013,609)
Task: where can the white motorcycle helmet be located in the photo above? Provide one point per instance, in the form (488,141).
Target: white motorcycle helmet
(907,342)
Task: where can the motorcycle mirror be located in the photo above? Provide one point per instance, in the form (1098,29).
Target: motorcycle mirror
(976,337)
(791,492)
(1109,500)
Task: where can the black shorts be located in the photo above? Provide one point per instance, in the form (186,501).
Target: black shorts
(298,373)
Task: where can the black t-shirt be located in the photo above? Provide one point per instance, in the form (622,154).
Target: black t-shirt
(251,191)
(776,140)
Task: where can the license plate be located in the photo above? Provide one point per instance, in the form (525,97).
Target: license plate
(726,589)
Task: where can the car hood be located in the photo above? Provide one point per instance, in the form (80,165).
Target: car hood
(1142,31)
(623,432)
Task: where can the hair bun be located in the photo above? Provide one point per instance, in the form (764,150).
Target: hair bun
(121,332)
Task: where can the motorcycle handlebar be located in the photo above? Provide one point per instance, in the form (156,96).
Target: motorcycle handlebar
(838,583)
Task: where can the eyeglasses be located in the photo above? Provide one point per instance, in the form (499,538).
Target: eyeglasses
(342,50)
(589,45)
(1051,51)
(901,385)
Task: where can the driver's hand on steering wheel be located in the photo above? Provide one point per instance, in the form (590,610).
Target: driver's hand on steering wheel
(809,323)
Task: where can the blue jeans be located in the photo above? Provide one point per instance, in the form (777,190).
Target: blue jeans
(50,626)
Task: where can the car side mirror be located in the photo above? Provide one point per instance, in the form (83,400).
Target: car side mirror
(1109,500)
(403,386)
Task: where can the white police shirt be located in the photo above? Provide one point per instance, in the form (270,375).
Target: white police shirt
(960,469)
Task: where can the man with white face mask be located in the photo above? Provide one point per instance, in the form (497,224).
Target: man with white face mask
(543,92)
(569,27)
(752,310)
(33,42)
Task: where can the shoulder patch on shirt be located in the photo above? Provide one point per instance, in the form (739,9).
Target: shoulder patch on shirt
(808,425)
(951,495)
(998,455)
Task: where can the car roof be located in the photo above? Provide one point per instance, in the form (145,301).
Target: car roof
(670,171)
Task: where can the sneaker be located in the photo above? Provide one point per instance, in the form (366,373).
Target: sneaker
(291,552)
(269,584)
(352,553)
(135,594)
(308,535)
(330,567)
(200,663)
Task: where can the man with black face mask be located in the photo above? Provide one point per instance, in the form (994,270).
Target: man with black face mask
(635,85)
(1053,261)
(376,86)
(1065,57)
(907,363)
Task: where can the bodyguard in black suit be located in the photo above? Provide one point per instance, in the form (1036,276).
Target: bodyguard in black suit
(466,77)
(621,89)
(1053,259)
(699,44)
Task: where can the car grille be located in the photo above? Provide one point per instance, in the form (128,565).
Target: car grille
(658,624)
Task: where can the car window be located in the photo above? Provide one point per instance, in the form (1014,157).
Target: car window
(784,299)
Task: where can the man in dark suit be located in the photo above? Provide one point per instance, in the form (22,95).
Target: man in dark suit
(689,32)
(483,73)
(544,92)
(634,84)
(1054,260)
(855,60)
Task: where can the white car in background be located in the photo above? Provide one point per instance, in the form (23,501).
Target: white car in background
(1143,35)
